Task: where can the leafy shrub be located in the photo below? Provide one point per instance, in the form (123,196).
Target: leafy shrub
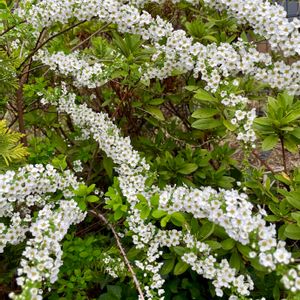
(147,125)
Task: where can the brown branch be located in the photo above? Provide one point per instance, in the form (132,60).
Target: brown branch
(19,94)
(10,28)
(256,155)
(30,55)
(35,68)
(89,37)
(105,221)
(283,155)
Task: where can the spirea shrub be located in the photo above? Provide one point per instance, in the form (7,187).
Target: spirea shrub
(162,145)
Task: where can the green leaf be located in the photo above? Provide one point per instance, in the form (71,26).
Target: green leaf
(91,188)
(164,221)
(59,162)
(214,245)
(276,292)
(145,211)
(244,36)
(203,95)
(82,205)
(92,198)
(167,267)
(180,268)
(188,169)
(204,113)
(293,199)
(108,166)
(157,214)
(235,261)
(178,219)
(272,218)
(264,121)
(84,254)
(155,112)
(296,133)
(3,4)
(115,291)
(179,250)
(292,116)
(203,124)
(245,250)
(296,217)
(292,231)
(206,230)
(291,144)
(228,244)
(229,125)
(210,38)
(191,88)
(269,142)
(156,101)
(118,214)
(81,191)
(154,200)
(107,296)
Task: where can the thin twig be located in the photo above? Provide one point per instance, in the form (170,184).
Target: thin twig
(263,162)
(32,69)
(89,37)
(105,221)
(10,28)
(283,155)
(48,40)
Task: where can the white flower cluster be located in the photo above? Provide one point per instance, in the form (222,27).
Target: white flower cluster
(84,73)
(22,193)
(24,190)
(108,135)
(114,266)
(267,19)
(200,259)
(292,280)
(233,212)
(132,177)
(242,118)
(215,62)
(77,166)
(178,51)
(127,17)
(42,255)
(222,276)
(227,208)
(205,264)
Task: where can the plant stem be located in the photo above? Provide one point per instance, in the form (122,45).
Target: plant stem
(31,54)
(135,280)
(283,154)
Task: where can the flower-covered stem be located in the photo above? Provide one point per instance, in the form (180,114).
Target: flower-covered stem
(179,51)
(229,209)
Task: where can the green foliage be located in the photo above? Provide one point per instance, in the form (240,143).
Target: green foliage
(115,201)
(11,150)
(83,274)
(281,123)
(83,196)
(183,131)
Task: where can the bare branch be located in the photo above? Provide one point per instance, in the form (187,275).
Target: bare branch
(89,37)
(46,41)
(105,221)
